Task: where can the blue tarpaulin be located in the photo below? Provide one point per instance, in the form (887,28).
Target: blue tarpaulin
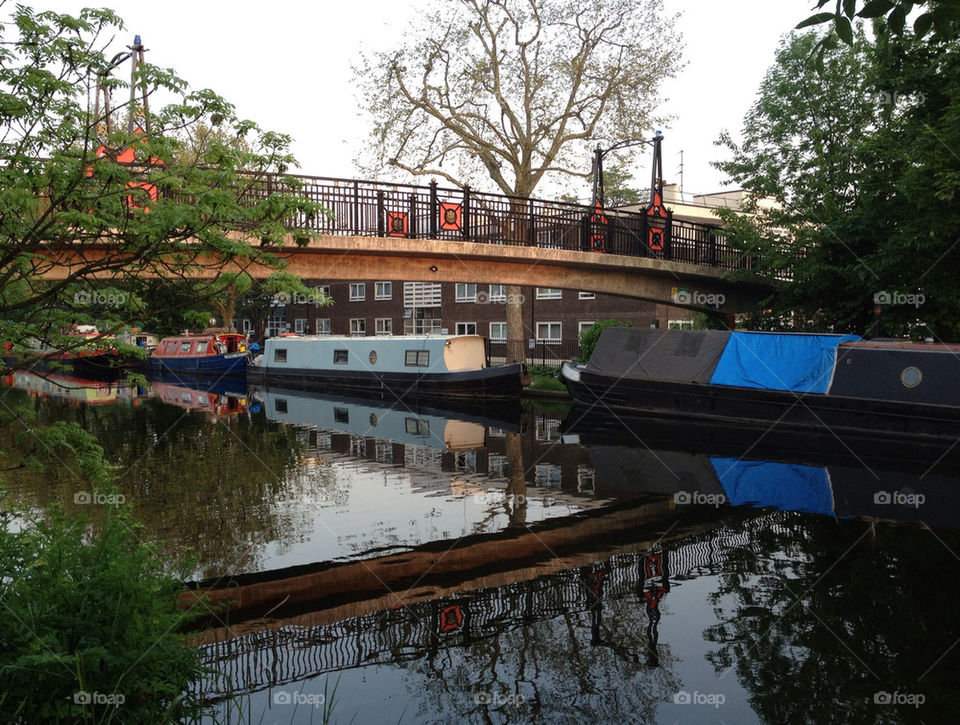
(786,486)
(772,361)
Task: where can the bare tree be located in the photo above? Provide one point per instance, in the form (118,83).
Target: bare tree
(516,90)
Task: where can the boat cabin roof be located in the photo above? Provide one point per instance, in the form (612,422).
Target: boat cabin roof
(382,353)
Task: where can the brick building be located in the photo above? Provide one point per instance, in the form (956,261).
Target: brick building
(553,318)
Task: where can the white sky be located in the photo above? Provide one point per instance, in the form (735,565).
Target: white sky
(286,64)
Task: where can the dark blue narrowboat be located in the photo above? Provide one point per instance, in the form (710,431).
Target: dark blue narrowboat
(201,354)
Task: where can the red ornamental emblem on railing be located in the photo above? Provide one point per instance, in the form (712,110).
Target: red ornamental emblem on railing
(451,618)
(450,217)
(598,240)
(397,224)
(653,565)
(655,221)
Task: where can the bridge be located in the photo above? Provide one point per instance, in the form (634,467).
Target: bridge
(276,652)
(431,233)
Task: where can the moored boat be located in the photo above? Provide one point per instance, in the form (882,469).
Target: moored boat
(201,354)
(414,365)
(838,384)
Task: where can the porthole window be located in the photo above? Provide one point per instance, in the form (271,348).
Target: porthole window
(911,377)
(373,419)
(373,357)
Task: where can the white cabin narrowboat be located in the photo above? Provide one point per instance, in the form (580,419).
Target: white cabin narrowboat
(418,365)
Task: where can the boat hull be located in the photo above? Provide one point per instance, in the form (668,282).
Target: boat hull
(760,409)
(229,364)
(505,381)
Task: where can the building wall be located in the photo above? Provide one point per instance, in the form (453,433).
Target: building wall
(569,310)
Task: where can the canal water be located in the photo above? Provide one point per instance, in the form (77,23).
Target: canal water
(529,562)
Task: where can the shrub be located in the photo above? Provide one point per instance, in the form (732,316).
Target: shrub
(88,623)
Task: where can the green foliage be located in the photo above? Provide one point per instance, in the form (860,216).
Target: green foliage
(89,609)
(860,160)
(589,337)
(221,201)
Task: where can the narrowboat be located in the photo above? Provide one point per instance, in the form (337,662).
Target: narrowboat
(838,385)
(223,353)
(82,352)
(394,367)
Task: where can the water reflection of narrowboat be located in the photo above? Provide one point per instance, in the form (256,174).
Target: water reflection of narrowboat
(72,389)
(201,354)
(407,425)
(414,365)
(223,396)
(792,382)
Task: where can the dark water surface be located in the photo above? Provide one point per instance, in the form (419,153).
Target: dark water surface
(534,564)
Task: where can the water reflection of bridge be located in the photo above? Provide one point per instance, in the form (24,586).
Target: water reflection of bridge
(292,650)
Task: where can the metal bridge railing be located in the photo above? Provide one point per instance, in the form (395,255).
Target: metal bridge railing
(370,208)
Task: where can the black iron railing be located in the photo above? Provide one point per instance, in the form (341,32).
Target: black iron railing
(370,208)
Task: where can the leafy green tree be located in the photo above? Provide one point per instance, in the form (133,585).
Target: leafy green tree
(163,215)
(859,159)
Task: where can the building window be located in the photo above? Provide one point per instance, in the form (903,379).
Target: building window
(587,295)
(300,325)
(549,331)
(547,475)
(498,330)
(416,426)
(323,326)
(384,291)
(280,354)
(417,358)
(549,293)
(358,325)
(498,466)
(548,429)
(358,291)
(498,293)
(466,292)
(679,324)
(277,323)
(585,479)
(466,328)
(384,325)
(583,326)
(341,357)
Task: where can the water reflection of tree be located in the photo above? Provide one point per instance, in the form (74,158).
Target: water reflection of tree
(829,613)
(550,664)
(202,486)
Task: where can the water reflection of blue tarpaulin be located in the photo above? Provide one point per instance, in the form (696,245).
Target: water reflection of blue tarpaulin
(786,486)
(771,361)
